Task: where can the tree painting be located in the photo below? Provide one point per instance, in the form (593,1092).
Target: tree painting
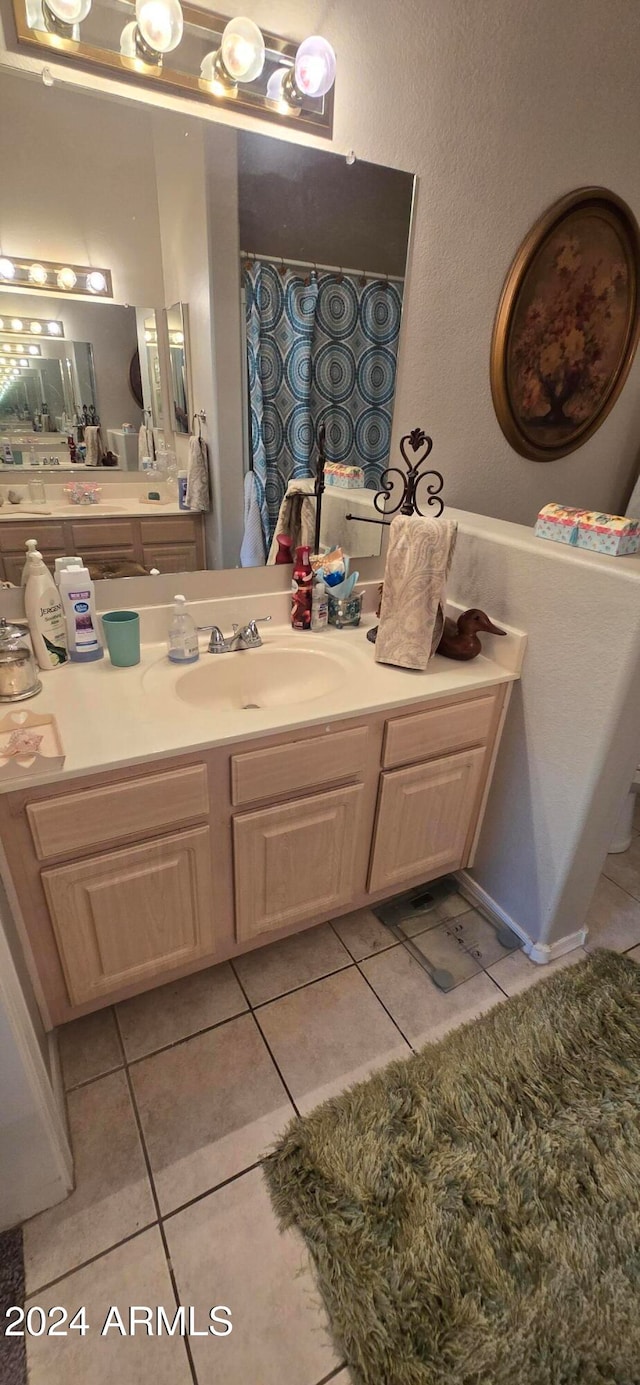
(571,330)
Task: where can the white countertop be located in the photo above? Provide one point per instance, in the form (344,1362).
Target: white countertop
(123,508)
(109,717)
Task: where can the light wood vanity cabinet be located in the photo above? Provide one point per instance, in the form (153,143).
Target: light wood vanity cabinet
(172,543)
(127,879)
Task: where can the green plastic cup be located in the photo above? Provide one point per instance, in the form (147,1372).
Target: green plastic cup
(122,633)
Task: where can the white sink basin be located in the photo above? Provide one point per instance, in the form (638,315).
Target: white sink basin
(258,678)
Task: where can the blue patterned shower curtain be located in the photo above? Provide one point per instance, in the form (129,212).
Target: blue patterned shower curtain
(322,351)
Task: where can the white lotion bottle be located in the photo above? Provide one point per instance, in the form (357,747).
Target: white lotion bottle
(77,594)
(32,547)
(44,613)
(183,634)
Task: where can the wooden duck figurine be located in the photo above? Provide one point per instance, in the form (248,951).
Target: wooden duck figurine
(459,638)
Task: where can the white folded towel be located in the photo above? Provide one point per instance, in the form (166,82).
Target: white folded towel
(415,582)
(146,444)
(94,445)
(198,475)
(252,551)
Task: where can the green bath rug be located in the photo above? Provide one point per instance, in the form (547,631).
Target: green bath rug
(474,1212)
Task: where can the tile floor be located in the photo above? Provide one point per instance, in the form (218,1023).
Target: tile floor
(173,1098)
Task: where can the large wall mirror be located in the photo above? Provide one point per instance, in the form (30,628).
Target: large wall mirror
(258,289)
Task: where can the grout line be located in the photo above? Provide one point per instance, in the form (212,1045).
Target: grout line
(333,1374)
(634,897)
(176,1043)
(133,1236)
(199,1197)
(108,1072)
(145,1155)
(375,993)
(264,1040)
(303,984)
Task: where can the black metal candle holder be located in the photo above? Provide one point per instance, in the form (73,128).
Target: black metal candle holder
(408,504)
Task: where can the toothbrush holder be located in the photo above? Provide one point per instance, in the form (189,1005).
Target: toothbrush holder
(345,611)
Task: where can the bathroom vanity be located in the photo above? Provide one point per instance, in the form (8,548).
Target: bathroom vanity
(126,532)
(284,816)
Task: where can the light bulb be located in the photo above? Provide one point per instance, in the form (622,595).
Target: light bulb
(1,323)
(315,67)
(66,279)
(178,338)
(34,350)
(54,329)
(277,92)
(160,24)
(38,275)
(24,361)
(242,50)
(7,268)
(96,282)
(128,40)
(16,324)
(36,328)
(69,11)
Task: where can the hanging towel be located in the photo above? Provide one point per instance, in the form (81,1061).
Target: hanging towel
(198,475)
(146,444)
(297,516)
(94,444)
(252,552)
(415,579)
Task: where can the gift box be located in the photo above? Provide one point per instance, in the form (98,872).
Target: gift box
(602,533)
(339,474)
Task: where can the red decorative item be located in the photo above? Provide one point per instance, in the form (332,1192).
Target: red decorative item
(284,554)
(302,590)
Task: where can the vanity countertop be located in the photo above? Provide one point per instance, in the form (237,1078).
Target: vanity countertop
(109,718)
(122,508)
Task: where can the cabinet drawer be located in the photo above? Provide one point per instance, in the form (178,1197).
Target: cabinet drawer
(438,731)
(286,769)
(102,533)
(132,914)
(297,861)
(62,826)
(172,557)
(170,529)
(13,537)
(425,814)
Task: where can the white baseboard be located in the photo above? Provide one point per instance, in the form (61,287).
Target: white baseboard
(537,952)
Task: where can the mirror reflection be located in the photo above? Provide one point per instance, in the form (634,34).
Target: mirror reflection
(276,274)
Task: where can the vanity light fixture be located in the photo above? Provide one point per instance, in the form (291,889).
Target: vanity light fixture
(23,272)
(19,348)
(240,58)
(30,327)
(156,30)
(223,61)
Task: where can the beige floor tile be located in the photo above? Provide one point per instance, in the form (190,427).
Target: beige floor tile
(344,1378)
(89,1047)
(280,967)
(134,1273)
(112,1197)
(516,972)
(636,815)
(173,1012)
(634,954)
(624,868)
(363,934)
(228,1249)
(209,1107)
(423,1012)
(329,1035)
(613,919)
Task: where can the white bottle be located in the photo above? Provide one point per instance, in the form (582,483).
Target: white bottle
(44,614)
(32,547)
(319,606)
(77,594)
(183,635)
(60,564)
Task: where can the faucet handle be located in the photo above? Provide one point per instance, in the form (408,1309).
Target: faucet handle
(217,642)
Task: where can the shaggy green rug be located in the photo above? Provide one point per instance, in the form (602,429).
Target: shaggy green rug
(474,1212)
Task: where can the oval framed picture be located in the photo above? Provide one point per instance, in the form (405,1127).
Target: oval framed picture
(567,324)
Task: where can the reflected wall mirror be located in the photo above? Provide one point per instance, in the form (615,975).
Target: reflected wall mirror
(258,287)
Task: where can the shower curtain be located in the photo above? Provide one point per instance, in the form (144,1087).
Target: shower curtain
(321,350)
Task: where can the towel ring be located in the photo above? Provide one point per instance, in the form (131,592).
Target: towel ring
(201,418)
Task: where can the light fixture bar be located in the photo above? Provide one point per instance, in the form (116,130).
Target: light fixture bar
(31,326)
(54,277)
(9,350)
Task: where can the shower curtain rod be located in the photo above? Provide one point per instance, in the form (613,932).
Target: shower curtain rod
(325,268)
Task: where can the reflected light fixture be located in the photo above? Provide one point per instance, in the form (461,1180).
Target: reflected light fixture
(240,58)
(63,16)
(29,327)
(156,30)
(35,327)
(66,278)
(312,75)
(38,275)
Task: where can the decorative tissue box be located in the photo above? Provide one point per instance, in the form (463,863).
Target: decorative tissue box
(612,534)
(339,474)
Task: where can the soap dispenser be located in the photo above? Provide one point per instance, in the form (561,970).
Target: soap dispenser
(183,634)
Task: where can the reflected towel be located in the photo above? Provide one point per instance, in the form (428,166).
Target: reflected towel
(94,445)
(297,516)
(415,580)
(252,552)
(146,444)
(198,475)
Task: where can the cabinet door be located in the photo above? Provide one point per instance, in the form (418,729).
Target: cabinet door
(132,914)
(296,861)
(424,816)
(172,557)
(13,564)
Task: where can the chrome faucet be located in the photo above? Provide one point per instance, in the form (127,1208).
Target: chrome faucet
(243,637)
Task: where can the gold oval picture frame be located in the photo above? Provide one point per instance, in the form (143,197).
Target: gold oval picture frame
(567,324)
